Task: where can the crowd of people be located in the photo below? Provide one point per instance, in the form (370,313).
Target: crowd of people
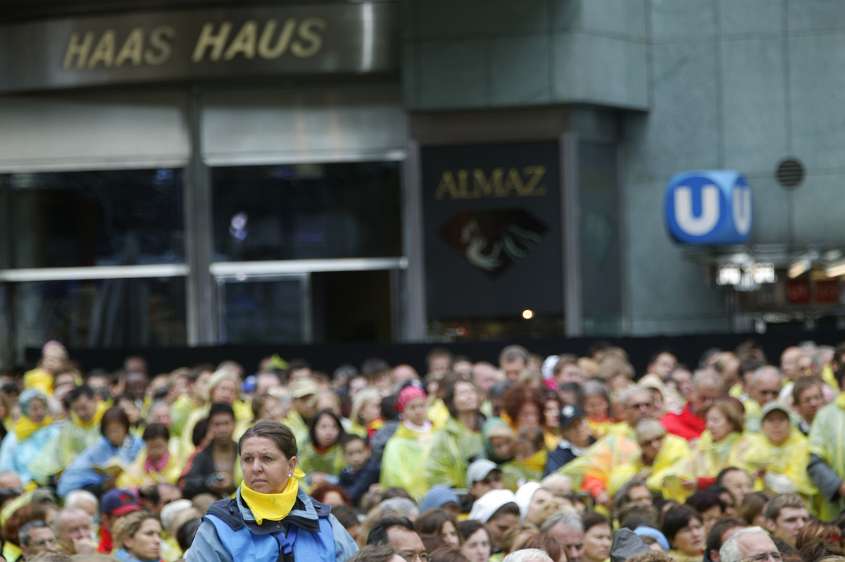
(738,458)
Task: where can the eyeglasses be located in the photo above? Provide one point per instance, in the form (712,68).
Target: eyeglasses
(764,556)
(411,556)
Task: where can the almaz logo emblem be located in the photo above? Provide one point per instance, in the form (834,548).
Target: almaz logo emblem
(493,240)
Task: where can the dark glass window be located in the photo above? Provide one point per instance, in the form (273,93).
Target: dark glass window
(104,313)
(268,309)
(74,219)
(302,211)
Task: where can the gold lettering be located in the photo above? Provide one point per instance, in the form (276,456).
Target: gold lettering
(78,49)
(446,187)
(535,176)
(483,186)
(463,184)
(265,50)
(133,49)
(209,40)
(160,45)
(244,42)
(310,31)
(513,183)
(104,51)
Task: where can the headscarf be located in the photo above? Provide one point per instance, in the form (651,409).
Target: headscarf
(25,426)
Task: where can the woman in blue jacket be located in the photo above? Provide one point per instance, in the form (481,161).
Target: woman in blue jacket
(97,467)
(270,518)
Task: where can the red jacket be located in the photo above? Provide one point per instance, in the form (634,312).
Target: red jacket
(686,424)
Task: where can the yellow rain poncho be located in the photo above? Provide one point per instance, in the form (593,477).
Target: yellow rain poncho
(827,441)
(705,461)
(451,449)
(404,454)
(593,470)
(329,461)
(674,450)
(789,459)
(139,474)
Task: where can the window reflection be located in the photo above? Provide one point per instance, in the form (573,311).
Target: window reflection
(104,313)
(302,211)
(74,219)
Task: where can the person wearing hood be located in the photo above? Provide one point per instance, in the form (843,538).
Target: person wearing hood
(271,517)
(29,438)
(408,448)
(499,512)
(482,476)
(535,503)
(626,544)
(98,466)
(779,455)
(74,435)
(576,437)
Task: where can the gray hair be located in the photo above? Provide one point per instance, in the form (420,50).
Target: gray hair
(567,517)
(730,550)
(634,390)
(528,555)
(77,498)
(26,530)
(764,370)
(707,377)
(69,512)
(399,506)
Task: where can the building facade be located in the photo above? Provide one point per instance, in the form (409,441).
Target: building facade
(189,173)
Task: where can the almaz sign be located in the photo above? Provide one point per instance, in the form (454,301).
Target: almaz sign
(316,39)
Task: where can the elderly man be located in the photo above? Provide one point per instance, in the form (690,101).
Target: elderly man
(74,531)
(35,538)
(764,386)
(749,544)
(690,423)
(400,535)
(566,528)
(807,400)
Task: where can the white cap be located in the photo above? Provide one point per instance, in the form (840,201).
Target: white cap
(479,470)
(485,506)
(524,495)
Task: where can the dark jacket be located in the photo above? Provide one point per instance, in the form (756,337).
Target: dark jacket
(356,482)
(197,475)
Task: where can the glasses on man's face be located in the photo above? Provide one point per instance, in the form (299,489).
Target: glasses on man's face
(412,556)
(764,557)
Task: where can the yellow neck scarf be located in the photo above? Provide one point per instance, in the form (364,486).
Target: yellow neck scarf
(25,427)
(273,507)
(840,400)
(94,421)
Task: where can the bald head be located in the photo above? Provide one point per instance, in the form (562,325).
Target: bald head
(765,385)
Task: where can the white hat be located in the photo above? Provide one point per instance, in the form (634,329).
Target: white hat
(485,506)
(479,470)
(171,510)
(523,497)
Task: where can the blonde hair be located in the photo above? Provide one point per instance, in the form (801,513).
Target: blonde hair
(361,399)
(126,526)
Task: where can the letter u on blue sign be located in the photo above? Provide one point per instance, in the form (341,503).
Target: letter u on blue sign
(708,207)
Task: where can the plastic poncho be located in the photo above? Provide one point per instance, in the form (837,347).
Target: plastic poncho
(519,471)
(329,461)
(451,450)
(705,461)
(87,469)
(17,456)
(438,413)
(39,379)
(72,438)
(593,471)
(673,451)
(403,456)
(140,473)
(827,441)
(297,425)
(788,460)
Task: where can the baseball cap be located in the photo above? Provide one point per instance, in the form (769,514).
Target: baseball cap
(479,470)
(303,387)
(119,502)
(439,496)
(774,406)
(488,504)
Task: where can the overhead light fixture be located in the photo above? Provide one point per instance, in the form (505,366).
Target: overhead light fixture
(798,268)
(729,275)
(835,269)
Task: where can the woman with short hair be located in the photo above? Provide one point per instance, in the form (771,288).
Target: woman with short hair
(271,517)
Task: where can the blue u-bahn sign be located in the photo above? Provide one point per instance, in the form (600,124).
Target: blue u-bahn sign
(708,207)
